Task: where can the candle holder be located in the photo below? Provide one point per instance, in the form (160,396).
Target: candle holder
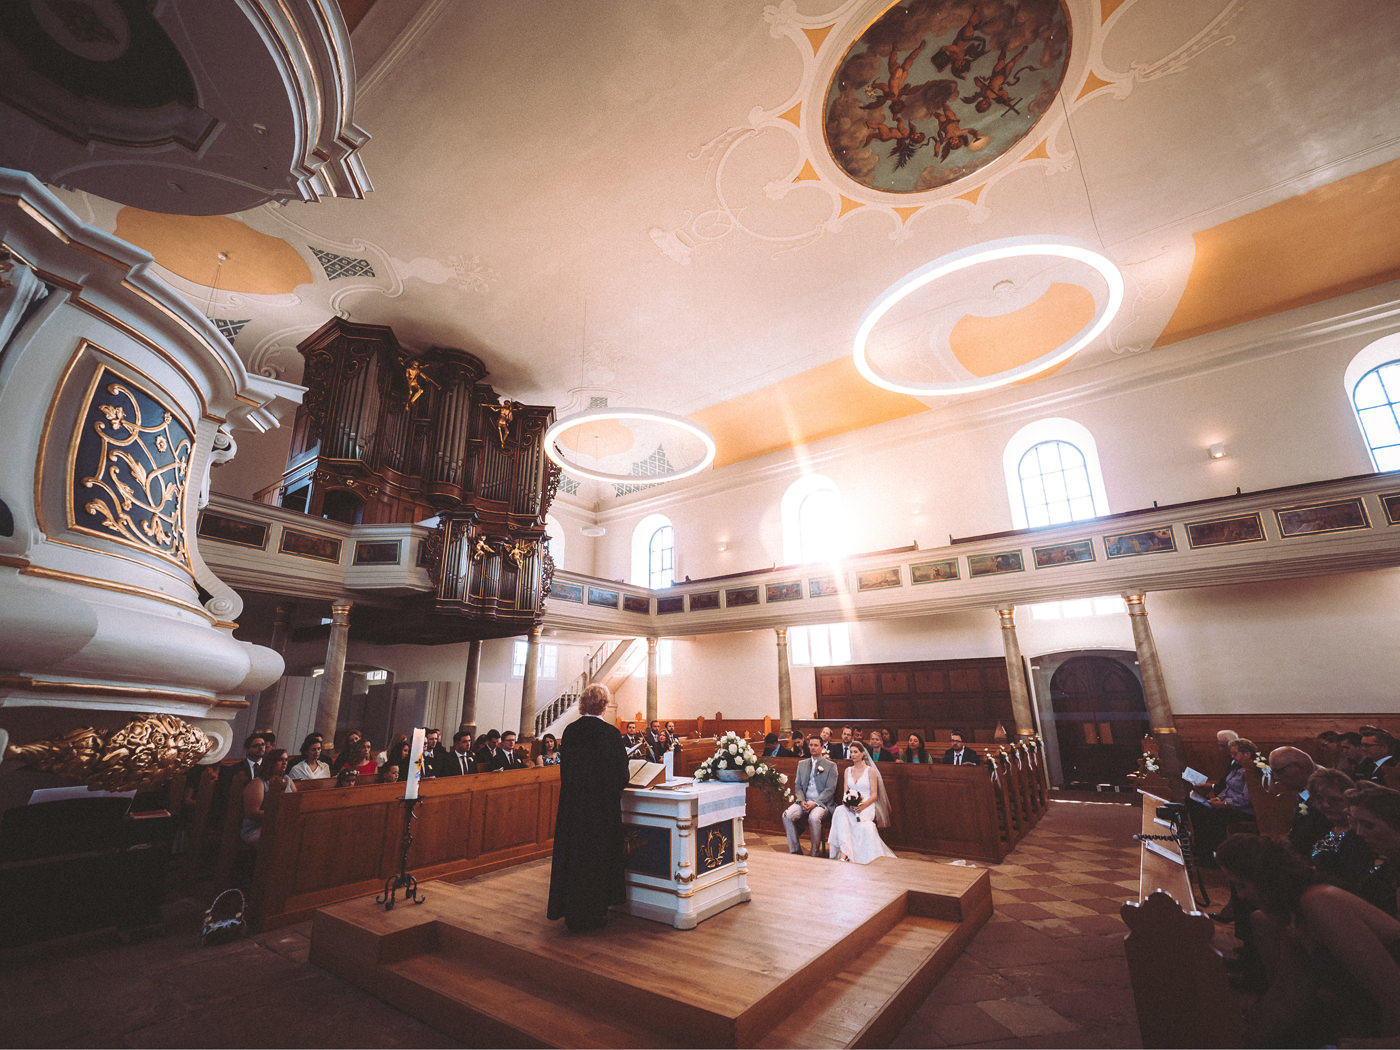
(403,880)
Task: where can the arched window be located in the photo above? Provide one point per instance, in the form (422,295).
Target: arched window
(1373,384)
(654,552)
(1052,474)
(555,532)
(815,527)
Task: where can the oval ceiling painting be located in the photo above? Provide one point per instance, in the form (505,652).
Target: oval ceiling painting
(935,90)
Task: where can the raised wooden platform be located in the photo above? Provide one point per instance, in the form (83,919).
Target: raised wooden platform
(826,954)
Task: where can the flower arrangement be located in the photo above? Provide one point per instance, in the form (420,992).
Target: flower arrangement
(1150,764)
(733,752)
(852,799)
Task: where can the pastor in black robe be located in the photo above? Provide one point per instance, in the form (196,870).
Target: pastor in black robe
(587,876)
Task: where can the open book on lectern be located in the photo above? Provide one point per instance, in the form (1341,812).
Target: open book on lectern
(644,773)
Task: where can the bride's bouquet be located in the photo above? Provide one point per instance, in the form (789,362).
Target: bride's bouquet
(852,799)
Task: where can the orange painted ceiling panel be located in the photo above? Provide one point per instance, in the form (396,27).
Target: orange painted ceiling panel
(988,345)
(824,401)
(1327,242)
(189,245)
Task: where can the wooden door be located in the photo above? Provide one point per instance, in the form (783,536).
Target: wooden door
(1100,719)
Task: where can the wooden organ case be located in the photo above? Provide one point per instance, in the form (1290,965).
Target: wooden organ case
(386,435)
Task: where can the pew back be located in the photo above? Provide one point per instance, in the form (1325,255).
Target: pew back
(321,846)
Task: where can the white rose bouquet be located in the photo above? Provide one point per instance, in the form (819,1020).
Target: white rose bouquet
(733,752)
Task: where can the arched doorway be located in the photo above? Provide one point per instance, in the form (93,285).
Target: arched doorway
(1100,719)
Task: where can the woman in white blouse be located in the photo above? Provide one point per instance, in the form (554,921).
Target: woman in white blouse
(311,767)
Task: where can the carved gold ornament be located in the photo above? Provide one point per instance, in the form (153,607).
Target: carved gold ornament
(137,458)
(482,548)
(716,844)
(520,551)
(143,754)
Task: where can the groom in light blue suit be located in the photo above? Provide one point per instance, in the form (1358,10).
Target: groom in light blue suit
(814,788)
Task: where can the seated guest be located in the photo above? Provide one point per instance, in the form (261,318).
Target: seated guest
(960,754)
(274,768)
(1377,755)
(254,750)
(814,788)
(1339,854)
(875,747)
(433,751)
(661,747)
(841,749)
(488,755)
(772,749)
(509,758)
(1326,743)
(397,756)
(362,761)
(825,734)
(347,777)
(1348,754)
(311,767)
(1320,944)
(1375,817)
(797,745)
(915,751)
(549,751)
(389,773)
(891,748)
(459,760)
(653,734)
(671,731)
(633,742)
(1210,822)
(347,750)
(1289,770)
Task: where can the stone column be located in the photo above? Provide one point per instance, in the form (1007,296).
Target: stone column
(527,687)
(652,663)
(1154,690)
(333,681)
(470,683)
(784,683)
(1016,674)
(270,702)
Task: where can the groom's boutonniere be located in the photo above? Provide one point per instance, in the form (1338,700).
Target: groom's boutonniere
(821,768)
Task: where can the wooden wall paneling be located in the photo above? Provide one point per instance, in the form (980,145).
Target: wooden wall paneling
(894,683)
(833,683)
(510,817)
(866,682)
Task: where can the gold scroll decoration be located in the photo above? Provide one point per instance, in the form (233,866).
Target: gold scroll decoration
(143,754)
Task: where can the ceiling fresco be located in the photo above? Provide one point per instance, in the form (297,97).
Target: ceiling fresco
(935,90)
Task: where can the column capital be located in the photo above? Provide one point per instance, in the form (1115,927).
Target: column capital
(1137,604)
(536,632)
(1007,616)
(781,632)
(340,612)
(652,641)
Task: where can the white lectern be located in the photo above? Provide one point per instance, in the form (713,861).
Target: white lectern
(686,858)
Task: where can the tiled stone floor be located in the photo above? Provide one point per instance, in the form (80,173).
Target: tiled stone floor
(1047,971)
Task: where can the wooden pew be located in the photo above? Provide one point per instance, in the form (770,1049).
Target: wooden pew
(320,846)
(1179,983)
(946,810)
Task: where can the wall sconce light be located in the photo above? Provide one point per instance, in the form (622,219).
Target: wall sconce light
(1217,450)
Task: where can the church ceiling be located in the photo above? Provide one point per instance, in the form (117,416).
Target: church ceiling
(691,207)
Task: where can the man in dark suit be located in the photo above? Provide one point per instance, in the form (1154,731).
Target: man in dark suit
(433,751)
(509,759)
(633,742)
(489,758)
(587,875)
(960,754)
(773,749)
(841,749)
(459,761)
(1377,754)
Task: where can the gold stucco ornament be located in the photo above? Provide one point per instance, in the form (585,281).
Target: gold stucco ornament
(143,754)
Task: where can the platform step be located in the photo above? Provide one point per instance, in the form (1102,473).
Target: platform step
(461,998)
(868,1002)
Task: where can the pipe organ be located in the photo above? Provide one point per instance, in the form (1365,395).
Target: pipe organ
(388,435)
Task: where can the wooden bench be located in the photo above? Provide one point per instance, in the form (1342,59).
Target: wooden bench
(320,846)
(1182,994)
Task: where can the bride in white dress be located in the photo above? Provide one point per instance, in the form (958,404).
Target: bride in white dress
(855,833)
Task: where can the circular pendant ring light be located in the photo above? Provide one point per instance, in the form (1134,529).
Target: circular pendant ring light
(991,251)
(622,415)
